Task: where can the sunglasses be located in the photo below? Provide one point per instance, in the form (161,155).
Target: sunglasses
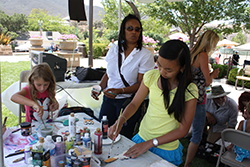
(131,28)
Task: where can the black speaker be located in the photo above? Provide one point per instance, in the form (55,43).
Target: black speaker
(76,10)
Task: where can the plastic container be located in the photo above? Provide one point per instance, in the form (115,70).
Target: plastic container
(49,143)
(98,141)
(55,159)
(78,135)
(59,146)
(27,154)
(87,141)
(25,128)
(105,126)
(72,124)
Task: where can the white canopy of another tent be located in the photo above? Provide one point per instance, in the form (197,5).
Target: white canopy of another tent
(245,47)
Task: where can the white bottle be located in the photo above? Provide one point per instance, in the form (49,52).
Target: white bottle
(30,161)
(49,143)
(72,125)
(27,154)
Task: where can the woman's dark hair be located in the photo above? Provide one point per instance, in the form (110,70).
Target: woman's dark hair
(122,40)
(176,50)
(245,96)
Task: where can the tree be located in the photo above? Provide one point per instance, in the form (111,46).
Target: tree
(150,25)
(10,25)
(111,8)
(192,15)
(239,38)
(50,23)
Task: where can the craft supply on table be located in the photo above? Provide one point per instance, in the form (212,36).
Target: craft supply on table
(59,146)
(44,124)
(72,124)
(120,156)
(78,135)
(51,145)
(98,141)
(105,126)
(18,160)
(37,154)
(69,144)
(26,128)
(27,153)
(115,132)
(87,141)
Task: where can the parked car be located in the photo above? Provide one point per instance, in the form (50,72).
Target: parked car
(23,48)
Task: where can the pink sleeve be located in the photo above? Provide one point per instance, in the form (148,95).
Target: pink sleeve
(204,102)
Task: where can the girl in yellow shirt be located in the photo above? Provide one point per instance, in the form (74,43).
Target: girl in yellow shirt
(172,102)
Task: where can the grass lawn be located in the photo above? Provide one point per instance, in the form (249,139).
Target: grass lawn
(10,74)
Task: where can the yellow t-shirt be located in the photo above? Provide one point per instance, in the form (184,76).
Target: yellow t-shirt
(157,121)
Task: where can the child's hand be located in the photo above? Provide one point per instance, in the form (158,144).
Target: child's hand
(138,149)
(53,107)
(229,148)
(39,109)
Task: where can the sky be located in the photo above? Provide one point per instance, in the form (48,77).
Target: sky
(95,2)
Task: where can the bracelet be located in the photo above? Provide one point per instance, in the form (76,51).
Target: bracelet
(125,120)
(122,90)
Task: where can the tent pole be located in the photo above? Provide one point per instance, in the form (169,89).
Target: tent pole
(119,13)
(90,33)
(1,128)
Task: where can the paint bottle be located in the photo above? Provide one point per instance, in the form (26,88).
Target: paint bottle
(84,130)
(87,141)
(27,154)
(61,163)
(37,155)
(98,141)
(72,124)
(78,135)
(51,145)
(69,143)
(59,146)
(105,126)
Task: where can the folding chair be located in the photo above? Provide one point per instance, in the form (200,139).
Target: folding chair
(245,73)
(238,138)
(24,75)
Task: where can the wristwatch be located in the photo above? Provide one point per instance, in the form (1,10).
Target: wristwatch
(155,142)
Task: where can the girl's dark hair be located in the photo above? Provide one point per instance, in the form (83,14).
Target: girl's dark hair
(245,96)
(176,50)
(122,40)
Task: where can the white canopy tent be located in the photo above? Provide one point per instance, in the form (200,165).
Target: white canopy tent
(90,58)
(245,47)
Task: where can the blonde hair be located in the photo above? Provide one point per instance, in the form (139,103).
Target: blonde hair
(206,43)
(43,71)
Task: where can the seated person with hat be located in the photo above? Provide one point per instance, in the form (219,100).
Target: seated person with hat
(222,112)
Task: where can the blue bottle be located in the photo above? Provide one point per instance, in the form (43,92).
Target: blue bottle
(87,141)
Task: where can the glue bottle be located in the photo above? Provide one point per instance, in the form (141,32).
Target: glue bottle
(105,126)
(72,124)
(27,154)
(87,141)
(98,141)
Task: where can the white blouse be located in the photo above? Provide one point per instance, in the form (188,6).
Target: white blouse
(138,61)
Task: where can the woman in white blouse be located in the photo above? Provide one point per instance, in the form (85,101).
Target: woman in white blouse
(135,61)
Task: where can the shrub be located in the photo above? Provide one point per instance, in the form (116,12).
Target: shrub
(223,69)
(99,50)
(4,39)
(232,78)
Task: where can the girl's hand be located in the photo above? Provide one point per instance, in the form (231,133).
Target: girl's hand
(229,148)
(215,73)
(138,149)
(111,132)
(112,93)
(53,106)
(39,109)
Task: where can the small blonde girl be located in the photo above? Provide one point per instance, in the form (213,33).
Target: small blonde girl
(38,96)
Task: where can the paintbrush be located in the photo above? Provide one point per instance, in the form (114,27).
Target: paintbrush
(115,132)
(19,159)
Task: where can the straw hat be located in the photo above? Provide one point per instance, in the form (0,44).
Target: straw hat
(217,91)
